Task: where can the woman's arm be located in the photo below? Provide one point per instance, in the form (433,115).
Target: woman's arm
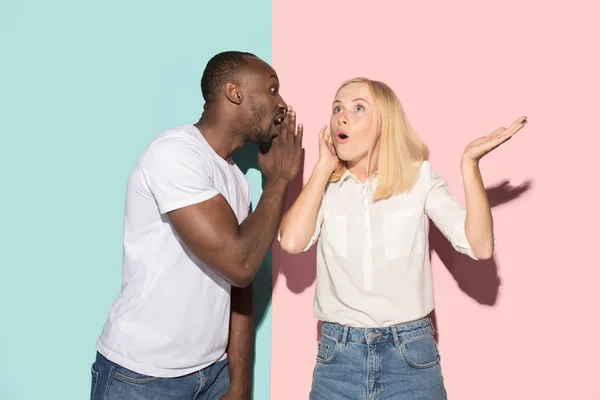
(298,224)
(479,224)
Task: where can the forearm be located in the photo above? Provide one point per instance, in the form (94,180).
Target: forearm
(479,224)
(257,232)
(299,222)
(241,335)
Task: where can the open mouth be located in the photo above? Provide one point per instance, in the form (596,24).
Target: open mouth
(277,126)
(342,137)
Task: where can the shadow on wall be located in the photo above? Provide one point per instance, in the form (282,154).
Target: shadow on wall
(247,158)
(477,279)
(299,270)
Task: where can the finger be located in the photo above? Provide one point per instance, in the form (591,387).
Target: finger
(290,132)
(518,124)
(498,140)
(329,141)
(327,134)
(515,129)
(500,135)
(331,149)
(321,136)
(521,120)
(322,132)
(299,135)
(511,131)
(284,127)
(497,132)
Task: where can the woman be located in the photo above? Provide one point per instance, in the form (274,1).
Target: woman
(368,203)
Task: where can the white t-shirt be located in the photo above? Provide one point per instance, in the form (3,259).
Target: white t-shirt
(172,316)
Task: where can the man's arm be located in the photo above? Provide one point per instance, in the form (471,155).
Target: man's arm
(241,336)
(210,230)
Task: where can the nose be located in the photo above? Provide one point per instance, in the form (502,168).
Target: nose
(342,119)
(282,104)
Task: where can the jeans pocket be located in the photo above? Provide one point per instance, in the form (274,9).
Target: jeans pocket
(420,352)
(125,384)
(327,349)
(125,375)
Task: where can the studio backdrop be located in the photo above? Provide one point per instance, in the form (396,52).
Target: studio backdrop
(84,86)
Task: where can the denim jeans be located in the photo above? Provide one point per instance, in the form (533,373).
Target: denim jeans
(400,363)
(110,381)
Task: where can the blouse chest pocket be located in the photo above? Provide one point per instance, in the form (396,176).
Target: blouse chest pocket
(336,231)
(402,236)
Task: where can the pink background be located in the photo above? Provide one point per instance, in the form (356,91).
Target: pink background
(523,325)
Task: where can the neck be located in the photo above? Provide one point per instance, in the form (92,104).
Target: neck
(220,135)
(361,169)
(358,169)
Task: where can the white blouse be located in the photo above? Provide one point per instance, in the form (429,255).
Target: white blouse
(373,266)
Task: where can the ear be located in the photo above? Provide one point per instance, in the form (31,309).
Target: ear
(233,92)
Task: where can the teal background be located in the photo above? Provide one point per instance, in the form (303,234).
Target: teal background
(84,86)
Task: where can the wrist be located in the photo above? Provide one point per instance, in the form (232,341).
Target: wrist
(240,388)
(325,167)
(467,162)
(277,180)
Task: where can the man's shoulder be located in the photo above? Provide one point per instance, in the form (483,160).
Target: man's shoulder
(180,136)
(177,144)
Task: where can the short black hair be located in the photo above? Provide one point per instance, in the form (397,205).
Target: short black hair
(221,68)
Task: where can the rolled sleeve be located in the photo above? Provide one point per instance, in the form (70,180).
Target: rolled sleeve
(448,214)
(316,233)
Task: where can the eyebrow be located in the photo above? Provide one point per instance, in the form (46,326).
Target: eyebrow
(355,100)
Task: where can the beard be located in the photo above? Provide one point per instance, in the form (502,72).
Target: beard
(263,139)
(264,142)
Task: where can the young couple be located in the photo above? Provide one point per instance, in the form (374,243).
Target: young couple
(182,325)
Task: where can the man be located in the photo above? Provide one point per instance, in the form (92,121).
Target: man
(182,325)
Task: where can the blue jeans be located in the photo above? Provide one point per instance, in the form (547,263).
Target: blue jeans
(110,381)
(400,363)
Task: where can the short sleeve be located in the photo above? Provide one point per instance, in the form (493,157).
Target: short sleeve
(447,213)
(178,173)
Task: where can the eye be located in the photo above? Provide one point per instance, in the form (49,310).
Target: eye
(337,109)
(274,90)
(359,108)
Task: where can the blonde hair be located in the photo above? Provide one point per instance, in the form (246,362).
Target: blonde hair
(401,151)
